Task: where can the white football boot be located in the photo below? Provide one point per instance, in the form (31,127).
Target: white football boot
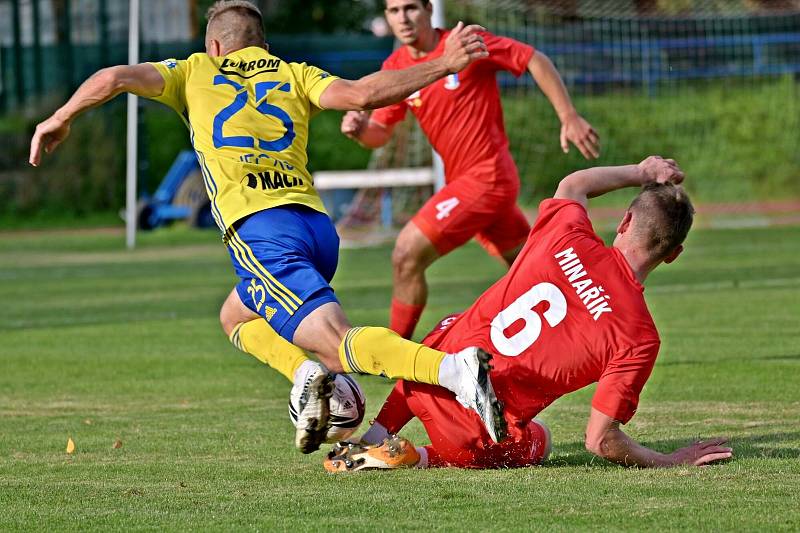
(475,391)
(310,396)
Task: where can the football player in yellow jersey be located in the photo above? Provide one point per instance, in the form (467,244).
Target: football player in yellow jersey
(248,114)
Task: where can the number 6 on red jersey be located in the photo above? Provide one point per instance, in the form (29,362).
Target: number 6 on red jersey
(522,309)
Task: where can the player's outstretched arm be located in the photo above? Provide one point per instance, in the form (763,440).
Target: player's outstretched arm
(370,134)
(574,128)
(592,182)
(102,86)
(463,46)
(605,439)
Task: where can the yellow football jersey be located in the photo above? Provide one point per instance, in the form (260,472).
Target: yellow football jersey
(248,113)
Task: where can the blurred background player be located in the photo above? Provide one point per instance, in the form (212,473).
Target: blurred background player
(248,112)
(462,117)
(569,313)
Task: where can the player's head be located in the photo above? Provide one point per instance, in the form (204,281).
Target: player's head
(233,25)
(409,19)
(657,221)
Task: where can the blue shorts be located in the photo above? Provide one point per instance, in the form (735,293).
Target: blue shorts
(286,257)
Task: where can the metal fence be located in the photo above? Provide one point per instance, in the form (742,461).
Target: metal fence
(51,45)
(46,51)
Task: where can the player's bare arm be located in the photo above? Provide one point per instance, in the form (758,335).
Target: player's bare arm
(369,133)
(463,46)
(574,128)
(605,439)
(592,182)
(102,86)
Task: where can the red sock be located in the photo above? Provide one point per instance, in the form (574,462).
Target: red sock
(395,413)
(434,459)
(404,318)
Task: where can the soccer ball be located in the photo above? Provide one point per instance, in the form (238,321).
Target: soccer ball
(347,406)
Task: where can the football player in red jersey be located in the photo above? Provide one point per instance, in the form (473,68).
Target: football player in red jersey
(463,118)
(570,312)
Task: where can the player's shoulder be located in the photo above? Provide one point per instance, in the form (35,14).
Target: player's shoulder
(559,203)
(198,58)
(562,214)
(494,38)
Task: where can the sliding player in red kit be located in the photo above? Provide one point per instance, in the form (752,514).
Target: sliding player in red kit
(462,117)
(569,313)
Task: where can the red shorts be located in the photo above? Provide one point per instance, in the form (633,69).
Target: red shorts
(472,206)
(458,437)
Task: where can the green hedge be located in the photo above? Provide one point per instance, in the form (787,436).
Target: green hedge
(737,143)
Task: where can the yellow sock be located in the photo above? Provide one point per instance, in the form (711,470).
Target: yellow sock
(382,352)
(257,338)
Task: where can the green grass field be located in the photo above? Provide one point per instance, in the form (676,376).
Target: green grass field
(99,344)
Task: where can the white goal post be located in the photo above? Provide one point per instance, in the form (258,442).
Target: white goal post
(131,170)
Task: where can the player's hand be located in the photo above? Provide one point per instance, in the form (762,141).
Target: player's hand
(463,46)
(702,452)
(656,168)
(47,136)
(354,122)
(577,131)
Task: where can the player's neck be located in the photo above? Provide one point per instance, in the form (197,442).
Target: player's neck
(640,263)
(425,44)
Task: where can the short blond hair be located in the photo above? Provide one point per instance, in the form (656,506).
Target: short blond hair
(235,23)
(665,214)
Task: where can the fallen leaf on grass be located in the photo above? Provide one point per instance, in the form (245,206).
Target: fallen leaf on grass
(70,445)
(117,444)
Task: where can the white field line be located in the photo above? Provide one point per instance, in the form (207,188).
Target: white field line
(150,255)
(725,285)
(77,320)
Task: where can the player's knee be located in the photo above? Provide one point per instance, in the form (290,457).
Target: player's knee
(227,319)
(332,363)
(322,332)
(328,351)
(405,261)
(230,314)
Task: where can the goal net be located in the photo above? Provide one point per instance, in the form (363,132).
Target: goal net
(710,83)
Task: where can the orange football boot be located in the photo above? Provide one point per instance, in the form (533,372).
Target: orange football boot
(393,452)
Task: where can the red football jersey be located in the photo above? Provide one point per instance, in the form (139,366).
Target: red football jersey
(461,114)
(569,313)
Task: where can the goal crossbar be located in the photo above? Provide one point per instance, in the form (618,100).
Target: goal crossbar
(371,179)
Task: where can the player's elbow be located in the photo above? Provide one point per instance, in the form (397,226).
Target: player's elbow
(603,447)
(351,96)
(111,79)
(363,98)
(609,445)
(569,187)
(358,100)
